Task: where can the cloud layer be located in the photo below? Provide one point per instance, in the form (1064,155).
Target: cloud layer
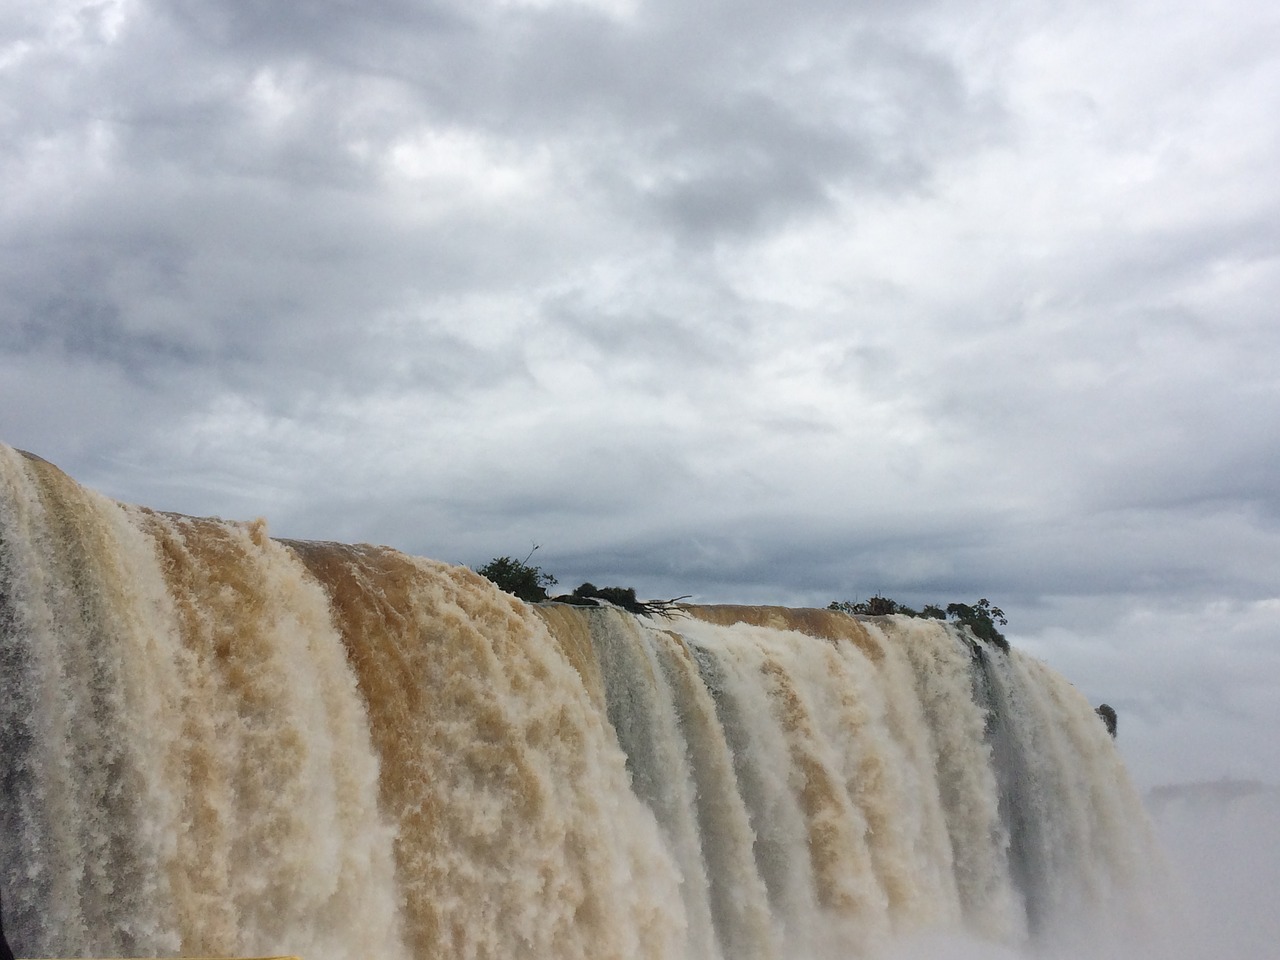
(759,302)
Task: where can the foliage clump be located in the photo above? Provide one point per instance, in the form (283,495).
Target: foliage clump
(981,617)
(529,583)
(877,606)
(589,595)
(624,597)
(1108,715)
(518,577)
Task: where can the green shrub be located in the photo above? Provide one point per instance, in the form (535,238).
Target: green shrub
(877,606)
(518,577)
(981,618)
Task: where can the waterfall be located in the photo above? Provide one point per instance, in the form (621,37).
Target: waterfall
(218,743)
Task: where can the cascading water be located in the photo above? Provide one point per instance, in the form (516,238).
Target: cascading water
(217,743)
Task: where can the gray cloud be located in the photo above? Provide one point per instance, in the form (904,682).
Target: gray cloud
(760,302)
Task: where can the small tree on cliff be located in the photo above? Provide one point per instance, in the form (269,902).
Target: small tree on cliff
(1108,715)
(981,618)
(518,577)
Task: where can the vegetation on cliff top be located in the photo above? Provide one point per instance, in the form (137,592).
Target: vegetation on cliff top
(981,617)
(529,583)
(588,595)
(518,577)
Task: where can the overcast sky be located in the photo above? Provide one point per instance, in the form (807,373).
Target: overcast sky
(754,301)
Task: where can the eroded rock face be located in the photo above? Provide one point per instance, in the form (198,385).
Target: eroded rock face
(1108,715)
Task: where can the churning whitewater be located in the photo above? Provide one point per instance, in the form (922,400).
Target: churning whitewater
(216,743)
